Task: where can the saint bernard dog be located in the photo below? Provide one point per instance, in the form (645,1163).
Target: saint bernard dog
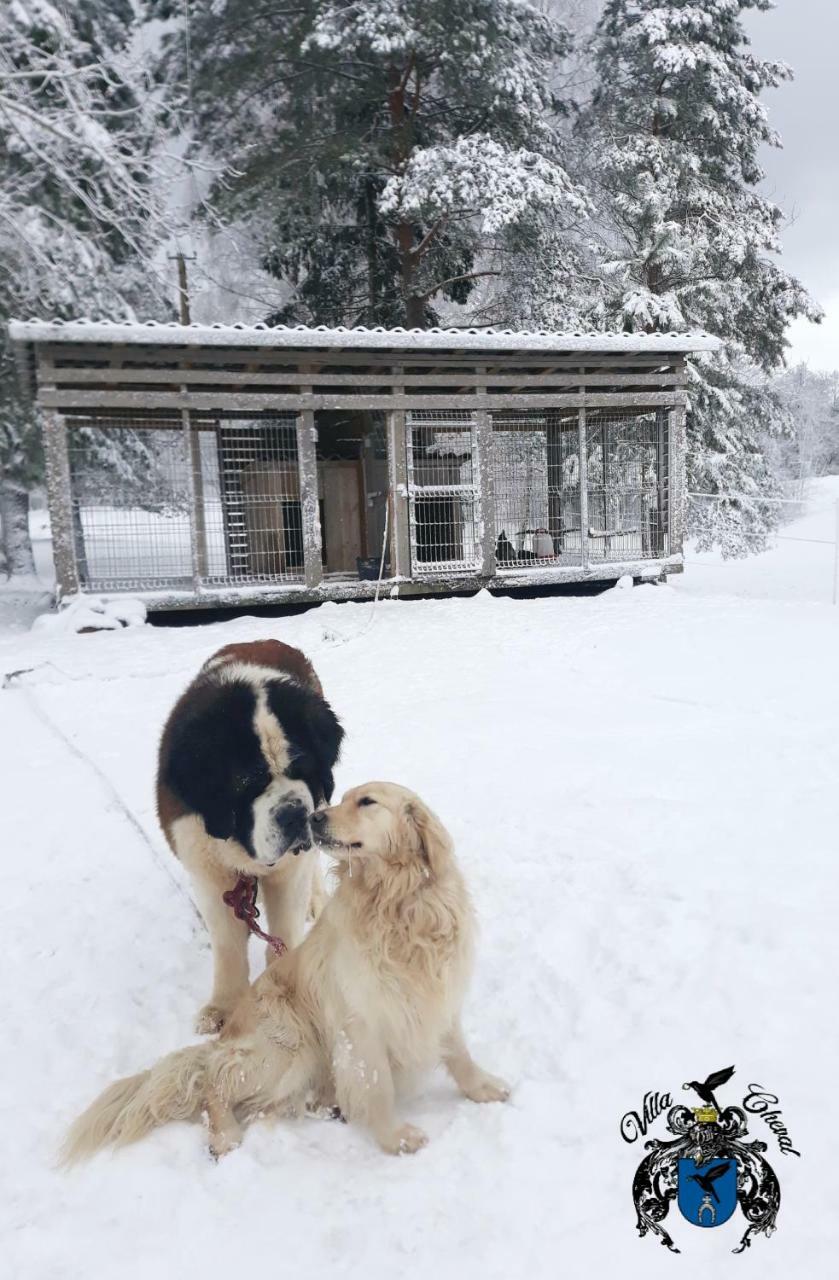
(245,758)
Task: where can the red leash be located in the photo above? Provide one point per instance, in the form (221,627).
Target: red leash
(242,900)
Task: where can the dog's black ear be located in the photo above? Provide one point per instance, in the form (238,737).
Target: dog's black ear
(193,775)
(219,820)
(214,731)
(314,735)
(325,737)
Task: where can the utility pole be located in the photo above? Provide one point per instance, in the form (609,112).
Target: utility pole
(183,285)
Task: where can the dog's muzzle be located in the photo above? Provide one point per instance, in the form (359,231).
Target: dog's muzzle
(293,823)
(320,828)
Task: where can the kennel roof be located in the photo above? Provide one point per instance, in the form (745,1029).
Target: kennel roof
(379,339)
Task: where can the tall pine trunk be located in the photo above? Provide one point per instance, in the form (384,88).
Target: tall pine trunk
(14,516)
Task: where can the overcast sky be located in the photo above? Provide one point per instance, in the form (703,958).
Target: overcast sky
(804,176)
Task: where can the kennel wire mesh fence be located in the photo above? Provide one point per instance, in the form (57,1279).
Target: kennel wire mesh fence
(536,484)
(535,465)
(155,505)
(628,470)
(151,501)
(247,482)
(443,492)
(130,502)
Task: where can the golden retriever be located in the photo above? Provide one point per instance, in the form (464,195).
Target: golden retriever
(372,994)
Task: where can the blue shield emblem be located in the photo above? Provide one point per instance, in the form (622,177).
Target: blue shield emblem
(708,1192)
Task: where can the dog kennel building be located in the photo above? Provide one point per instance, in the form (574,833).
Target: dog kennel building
(220,465)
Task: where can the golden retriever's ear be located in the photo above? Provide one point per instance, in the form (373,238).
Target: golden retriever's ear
(435,843)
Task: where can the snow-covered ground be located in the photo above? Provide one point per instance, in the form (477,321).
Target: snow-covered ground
(643,791)
(800,564)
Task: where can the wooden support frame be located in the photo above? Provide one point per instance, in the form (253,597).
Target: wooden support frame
(201,385)
(230,378)
(486,492)
(310,508)
(397,460)
(213,402)
(677,457)
(59,494)
(582,447)
(663,494)
(195,487)
(486,483)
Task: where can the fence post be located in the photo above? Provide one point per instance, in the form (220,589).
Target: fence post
(195,494)
(309,504)
(583,479)
(836,557)
(677,495)
(486,484)
(59,492)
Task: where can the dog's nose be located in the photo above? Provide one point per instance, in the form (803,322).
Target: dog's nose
(292,820)
(318,819)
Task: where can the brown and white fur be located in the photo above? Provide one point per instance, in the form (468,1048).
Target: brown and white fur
(245,757)
(372,995)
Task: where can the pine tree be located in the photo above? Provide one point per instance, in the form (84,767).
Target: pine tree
(79,213)
(685,237)
(400,145)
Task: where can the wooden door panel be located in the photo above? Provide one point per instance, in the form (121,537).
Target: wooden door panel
(341,515)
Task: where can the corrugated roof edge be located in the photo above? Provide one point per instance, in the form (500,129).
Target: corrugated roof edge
(261,335)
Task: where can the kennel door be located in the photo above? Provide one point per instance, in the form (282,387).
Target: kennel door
(444,498)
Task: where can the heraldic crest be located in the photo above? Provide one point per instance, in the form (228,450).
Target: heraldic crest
(707,1168)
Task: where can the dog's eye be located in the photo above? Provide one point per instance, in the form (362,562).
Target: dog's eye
(365,800)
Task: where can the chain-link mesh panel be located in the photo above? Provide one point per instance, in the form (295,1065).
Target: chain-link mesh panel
(443,492)
(536,482)
(129,490)
(250,522)
(628,484)
(131,497)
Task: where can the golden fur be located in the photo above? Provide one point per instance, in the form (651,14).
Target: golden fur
(373,993)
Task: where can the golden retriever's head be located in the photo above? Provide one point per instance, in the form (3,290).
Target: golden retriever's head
(383,824)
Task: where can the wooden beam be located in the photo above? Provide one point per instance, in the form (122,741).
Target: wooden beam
(582,454)
(678,498)
(71,401)
(400,535)
(195,486)
(397,456)
(486,492)
(114,378)
(308,465)
(59,495)
(138,357)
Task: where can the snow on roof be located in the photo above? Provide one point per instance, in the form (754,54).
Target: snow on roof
(262,335)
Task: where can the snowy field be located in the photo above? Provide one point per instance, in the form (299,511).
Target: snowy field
(643,791)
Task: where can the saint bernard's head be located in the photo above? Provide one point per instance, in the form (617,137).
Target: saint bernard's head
(251,753)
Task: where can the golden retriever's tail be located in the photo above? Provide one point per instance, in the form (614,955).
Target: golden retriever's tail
(173,1089)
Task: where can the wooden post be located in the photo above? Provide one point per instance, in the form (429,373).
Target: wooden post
(183,286)
(195,489)
(60,498)
(662,540)
(583,469)
(400,532)
(486,492)
(677,479)
(310,508)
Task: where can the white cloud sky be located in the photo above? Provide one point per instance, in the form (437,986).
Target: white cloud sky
(803,177)
(817,344)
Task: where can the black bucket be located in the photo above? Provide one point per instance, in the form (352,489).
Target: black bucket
(368,567)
